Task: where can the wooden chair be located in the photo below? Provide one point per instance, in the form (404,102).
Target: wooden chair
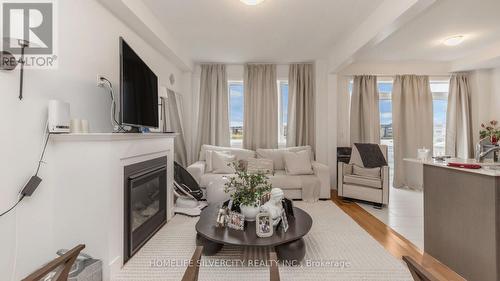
(191,273)
(417,271)
(274,273)
(60,266)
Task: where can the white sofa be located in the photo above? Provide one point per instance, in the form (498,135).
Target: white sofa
(292,185)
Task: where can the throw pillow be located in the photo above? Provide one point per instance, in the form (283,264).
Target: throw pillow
(366,172)
(298,163)
(277,154)
(208,159)
(222,163)
(260,165)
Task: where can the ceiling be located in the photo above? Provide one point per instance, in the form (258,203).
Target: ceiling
(276,30)
(421,39)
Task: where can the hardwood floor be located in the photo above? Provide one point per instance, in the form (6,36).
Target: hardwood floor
(393,242)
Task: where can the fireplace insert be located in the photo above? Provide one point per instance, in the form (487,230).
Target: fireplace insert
(145,203)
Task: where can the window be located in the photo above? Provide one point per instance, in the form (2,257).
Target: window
(283,111)
(236,112)
(440,105)
(385,107)
(439,89)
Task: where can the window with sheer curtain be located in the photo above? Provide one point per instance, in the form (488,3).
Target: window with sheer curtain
(439,89)
(236,105)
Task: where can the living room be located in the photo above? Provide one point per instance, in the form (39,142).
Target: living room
(360,127)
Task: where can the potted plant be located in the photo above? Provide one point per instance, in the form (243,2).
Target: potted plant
(246,191)
(491,131)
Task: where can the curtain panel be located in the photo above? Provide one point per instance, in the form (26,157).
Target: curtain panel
(213,114)
(172,122)
(459,136)
(365,112)
(260,122)
(301,120)
(412,121)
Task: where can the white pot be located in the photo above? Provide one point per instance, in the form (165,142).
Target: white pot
(250,212)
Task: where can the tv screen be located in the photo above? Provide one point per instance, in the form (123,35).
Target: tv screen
(138,90)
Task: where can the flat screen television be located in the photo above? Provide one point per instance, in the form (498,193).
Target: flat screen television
(138,90)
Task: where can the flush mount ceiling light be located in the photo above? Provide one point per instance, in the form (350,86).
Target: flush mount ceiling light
(252,2)
(454,40)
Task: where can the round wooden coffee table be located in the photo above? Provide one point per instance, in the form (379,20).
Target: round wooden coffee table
(289,245)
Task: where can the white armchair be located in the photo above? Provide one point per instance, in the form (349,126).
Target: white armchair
(364,184)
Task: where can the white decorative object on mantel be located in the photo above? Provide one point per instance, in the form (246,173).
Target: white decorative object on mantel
(85,176)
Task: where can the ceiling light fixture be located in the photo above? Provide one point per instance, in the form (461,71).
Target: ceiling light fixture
(252,2)
(454,40)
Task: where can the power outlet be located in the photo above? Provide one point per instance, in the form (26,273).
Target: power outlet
(100,80)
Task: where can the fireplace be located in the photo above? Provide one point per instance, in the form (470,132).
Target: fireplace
(145,203)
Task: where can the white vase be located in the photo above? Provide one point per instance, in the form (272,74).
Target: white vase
(250,212)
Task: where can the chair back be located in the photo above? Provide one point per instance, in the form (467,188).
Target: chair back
(417,271)
(58,269)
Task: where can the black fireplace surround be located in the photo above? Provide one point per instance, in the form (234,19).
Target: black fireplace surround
(145,205)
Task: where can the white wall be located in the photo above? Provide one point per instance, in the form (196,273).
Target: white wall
(485,86)
(88,45)
(495,97)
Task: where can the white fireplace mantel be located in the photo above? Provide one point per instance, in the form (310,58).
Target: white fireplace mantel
(86,174)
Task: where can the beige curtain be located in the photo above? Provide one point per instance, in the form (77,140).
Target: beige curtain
(213,113)
(412,121)
(172,122)
(365,112)
(301,126)
(260,122)
(458,118)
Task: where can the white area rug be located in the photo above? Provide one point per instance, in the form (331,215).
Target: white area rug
(334,239)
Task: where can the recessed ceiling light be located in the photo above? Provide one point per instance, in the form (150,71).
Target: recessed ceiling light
(252,2)
(454,40)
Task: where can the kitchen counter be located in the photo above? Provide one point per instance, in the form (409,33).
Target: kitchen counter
(462,218)
(488,168)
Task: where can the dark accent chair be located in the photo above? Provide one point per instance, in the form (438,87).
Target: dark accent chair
(59,268)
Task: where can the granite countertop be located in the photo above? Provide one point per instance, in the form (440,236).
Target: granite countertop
(488,168)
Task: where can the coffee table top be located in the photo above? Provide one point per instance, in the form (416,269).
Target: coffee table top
(299,225)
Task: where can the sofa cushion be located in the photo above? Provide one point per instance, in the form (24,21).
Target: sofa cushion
(208,159)
(298,163)
(222,163)
(364,181)
(281,180)
(366,172)
(277,154)
(260,165)
(240,153)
